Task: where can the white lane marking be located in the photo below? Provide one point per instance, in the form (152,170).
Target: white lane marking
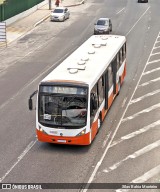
(147,175)
(136,154)
(120,10)
(157,53)
(114,133)
(142,179)
(135,133)
(147,148)
(149,82)
(156,47)
(30,145)
(147,110)
(105,141)
(151,71)
(138,21)
(155,61)
(124,101)
(145,96)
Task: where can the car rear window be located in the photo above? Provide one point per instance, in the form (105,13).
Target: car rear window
(102,22)
(58,11)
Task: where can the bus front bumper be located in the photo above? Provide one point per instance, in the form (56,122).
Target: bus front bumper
(77,140)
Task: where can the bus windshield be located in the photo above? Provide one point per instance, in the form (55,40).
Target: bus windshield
(62,110)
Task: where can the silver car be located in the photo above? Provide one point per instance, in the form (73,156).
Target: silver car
(103,26)
(60,14)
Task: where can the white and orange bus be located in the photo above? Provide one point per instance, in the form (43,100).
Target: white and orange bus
(74,98)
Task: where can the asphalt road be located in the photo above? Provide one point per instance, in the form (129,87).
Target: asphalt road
(126,150)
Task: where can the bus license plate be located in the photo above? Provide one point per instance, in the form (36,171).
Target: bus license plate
(62,141)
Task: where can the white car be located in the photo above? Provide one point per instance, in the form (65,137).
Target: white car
(60,14)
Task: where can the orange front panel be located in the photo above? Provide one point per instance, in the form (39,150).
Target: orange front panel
(79,140)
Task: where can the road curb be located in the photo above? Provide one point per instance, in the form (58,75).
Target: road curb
(73,5)
(43,19)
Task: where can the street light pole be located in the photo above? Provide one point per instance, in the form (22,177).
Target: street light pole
(2,9)
(3,12)
(50,4)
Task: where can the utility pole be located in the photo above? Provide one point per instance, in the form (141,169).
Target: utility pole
(50,4)
(2,8)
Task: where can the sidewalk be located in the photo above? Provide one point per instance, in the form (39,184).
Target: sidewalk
(24,25)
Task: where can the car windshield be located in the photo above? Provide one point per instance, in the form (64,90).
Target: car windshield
(62,106)
(102,22)
(58,11)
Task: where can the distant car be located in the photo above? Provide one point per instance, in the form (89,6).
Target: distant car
(60,14)
(103,26)
(142,1)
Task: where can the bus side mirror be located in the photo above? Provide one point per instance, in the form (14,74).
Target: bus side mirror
(30,104)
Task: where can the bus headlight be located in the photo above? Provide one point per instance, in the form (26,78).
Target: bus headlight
(40,129)
(82,132)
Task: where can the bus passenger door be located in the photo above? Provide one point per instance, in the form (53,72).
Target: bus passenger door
(114,70)
(93,111)
(93,103)
(106,88)
(110,80)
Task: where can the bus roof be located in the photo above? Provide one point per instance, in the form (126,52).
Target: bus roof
(87,63)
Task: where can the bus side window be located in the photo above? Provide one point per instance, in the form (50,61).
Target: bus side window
(115,66)
(93,101)
(110,77)
(118,60)
(121,59)
(101,90)
(124,51)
